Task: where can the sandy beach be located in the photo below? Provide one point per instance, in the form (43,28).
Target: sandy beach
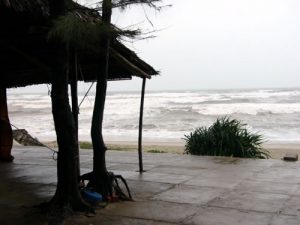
(277,149)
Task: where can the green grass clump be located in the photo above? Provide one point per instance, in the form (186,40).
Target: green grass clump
(155,151)
(89,145)
(85,145)
(226,137)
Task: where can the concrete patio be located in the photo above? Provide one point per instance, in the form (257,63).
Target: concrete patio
(176,189)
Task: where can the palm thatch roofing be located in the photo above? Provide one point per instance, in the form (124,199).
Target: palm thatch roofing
(25,53)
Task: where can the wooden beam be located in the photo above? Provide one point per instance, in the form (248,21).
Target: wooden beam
(140,150)
(130,66)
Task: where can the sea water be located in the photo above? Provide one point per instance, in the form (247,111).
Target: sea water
(168,115)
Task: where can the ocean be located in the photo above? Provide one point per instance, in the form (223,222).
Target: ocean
(168,115)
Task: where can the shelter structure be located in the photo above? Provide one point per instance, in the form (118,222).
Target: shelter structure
(26,55)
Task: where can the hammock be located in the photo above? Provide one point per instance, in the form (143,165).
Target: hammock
(24,138)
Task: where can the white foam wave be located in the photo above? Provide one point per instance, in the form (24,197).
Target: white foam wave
(245,108)
(275,113)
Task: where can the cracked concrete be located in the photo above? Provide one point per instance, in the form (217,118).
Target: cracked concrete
(176,189)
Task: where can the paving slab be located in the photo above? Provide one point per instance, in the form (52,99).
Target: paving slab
(292,206)
(227,216)
(191,171)
(175,189)
(112,220)
(253,201)
(280,174)
(297,191)
(268,187)
(190,194)
(161,177)
(152,210)
(146,190)
(21,215)
(221,182)
(285,220)
(129,166)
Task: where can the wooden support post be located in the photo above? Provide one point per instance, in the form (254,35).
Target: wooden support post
(74,95)
(140,150)
(75,110)
(6,136)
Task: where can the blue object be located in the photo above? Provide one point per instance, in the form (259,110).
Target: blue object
(92,196)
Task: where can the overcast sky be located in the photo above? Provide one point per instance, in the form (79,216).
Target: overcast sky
(213,44)
(220,44)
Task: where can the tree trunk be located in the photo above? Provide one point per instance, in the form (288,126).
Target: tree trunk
(67,197)
(74,93)
(100,177)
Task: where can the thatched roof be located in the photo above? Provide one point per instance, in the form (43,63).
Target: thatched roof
(25,54)
(33,6)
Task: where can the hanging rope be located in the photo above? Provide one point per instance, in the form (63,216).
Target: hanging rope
(86,94)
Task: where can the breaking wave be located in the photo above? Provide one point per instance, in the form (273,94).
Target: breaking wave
(169,115)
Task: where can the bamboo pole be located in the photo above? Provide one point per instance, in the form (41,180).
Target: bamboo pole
(140,150)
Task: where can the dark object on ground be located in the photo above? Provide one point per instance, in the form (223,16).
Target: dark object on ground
(114,192)
(290,157)
(226,137)
(91,196)
(24,138)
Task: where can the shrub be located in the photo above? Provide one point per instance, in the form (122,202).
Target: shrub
(226,137)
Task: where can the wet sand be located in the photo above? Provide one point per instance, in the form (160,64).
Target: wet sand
(277,150)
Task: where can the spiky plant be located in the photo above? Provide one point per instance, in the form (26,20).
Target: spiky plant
(226,137)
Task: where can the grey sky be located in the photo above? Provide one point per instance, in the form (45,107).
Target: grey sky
(223,44)
(212,44)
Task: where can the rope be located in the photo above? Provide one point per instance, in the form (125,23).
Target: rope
(86,94)
(14,126)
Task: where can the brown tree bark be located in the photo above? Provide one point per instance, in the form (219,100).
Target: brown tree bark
(67,197)
(100,178)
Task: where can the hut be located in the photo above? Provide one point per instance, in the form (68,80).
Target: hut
(25,56)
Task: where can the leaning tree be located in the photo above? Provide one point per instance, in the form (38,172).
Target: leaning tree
(100,179)
(67,196)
